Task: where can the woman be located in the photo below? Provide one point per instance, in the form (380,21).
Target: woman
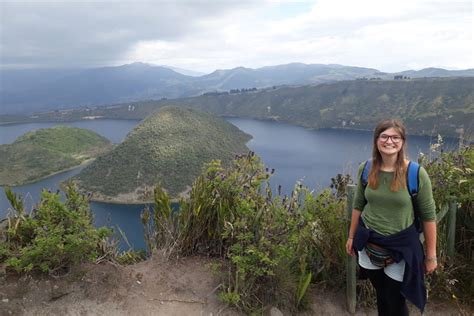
(382,225)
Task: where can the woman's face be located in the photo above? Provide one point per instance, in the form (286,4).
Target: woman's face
(389,142)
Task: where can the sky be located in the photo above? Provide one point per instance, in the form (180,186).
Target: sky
(200,35)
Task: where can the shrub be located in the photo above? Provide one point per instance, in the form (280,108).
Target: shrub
(274,246)
(53,236)
(160,225)
(451,175)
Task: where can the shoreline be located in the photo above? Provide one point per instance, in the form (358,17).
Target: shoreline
(32,121)
(118,201)
(84,163)
(113,200)
(132,200)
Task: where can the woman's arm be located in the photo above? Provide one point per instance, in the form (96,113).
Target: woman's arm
(358,205)
(427,209)
(354,223)
(429,231)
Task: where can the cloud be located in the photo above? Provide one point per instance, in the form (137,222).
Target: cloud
(205,35)
(93,33)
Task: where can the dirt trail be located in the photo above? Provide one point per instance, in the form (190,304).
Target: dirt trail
(153,287)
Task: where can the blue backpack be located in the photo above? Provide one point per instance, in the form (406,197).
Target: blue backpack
(413,173)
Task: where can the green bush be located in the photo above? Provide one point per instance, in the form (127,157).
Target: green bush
(53,236)
(274,246)
(451,175)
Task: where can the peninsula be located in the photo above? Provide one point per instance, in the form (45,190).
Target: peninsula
(168,148)
(44,152)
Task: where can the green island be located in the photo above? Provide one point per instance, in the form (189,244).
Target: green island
(168,148)
(39,154)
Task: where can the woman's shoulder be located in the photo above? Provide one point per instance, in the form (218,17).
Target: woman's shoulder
(423,174)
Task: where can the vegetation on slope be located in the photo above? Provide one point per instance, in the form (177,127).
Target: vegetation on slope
(452,177)
(275,246)
(53,236)
(428,105)
(40,153)
(168,148)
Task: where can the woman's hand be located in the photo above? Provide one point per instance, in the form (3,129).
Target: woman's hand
(430,265)
(349,249)
(352,230)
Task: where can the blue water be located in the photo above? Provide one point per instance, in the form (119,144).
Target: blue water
(127,217)
(296,154)
(315,156)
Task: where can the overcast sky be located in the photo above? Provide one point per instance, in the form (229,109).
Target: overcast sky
(389,35)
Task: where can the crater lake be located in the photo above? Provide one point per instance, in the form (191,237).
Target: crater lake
(312,157)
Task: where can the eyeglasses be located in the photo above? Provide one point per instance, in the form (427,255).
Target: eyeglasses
(395,138)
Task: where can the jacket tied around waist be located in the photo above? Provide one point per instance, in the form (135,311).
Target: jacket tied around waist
(402,245)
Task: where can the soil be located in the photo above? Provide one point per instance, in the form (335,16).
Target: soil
(153,287)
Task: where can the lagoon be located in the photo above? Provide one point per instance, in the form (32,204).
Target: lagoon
(312,157)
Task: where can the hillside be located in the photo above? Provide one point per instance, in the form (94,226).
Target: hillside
(428,105)
(90,87)
(168,148)
(40,153)
(30,91)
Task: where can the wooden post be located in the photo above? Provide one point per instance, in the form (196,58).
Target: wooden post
(451,228)
(351,261)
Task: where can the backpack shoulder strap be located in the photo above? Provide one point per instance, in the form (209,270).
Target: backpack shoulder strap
(413,181)
(364,177)
(413,174)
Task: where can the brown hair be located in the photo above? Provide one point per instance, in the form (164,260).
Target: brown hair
(399,180)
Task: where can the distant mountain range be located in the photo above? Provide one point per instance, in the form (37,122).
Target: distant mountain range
(428,106)
(28,91)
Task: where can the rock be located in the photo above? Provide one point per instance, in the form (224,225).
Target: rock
(5,300)
(275,312)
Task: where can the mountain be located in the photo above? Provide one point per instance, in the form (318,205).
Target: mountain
(437,72)
(98,86)
(168,148)
(427,105)
(289,74)
(185,72)
(29,91)
(12,80)
(40,153)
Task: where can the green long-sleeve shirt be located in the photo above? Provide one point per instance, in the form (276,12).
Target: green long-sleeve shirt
(389,212)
